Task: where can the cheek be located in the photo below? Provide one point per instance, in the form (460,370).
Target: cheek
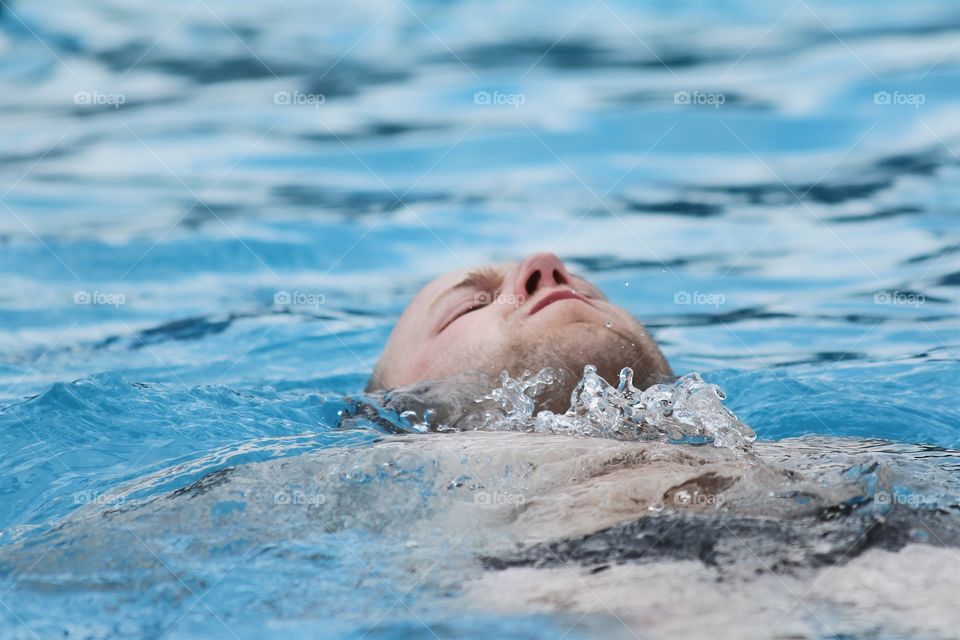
(459,347)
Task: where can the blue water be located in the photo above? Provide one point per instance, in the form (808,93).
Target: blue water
(149,167)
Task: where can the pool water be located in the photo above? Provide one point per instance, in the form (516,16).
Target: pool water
(211,214)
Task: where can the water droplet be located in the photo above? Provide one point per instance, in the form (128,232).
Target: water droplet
(687,410)
(609,324)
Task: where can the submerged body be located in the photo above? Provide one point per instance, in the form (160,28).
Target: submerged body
(605,518)
(640,537)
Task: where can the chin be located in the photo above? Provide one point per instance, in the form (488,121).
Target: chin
(566,348)
(576,344)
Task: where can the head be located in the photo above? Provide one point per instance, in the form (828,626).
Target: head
(515,316)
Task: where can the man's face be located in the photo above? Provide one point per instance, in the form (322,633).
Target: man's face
(515,317)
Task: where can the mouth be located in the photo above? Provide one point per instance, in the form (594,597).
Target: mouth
(557,296)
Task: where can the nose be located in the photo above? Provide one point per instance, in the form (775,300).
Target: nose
(539,271)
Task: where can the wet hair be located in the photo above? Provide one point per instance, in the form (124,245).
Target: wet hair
(375,383)
(452,403)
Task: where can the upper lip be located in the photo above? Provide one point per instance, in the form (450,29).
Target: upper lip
(554,295)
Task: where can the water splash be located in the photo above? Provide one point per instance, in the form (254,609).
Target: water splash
(688,411)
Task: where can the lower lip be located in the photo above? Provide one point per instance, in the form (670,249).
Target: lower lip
(546,303)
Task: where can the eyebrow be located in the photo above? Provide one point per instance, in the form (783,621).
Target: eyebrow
(473,280)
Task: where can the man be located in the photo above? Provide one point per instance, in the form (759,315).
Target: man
(514,317)
(655,539)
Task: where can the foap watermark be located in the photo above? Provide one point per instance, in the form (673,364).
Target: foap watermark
(99,99)
(696,499)
(99,499)
(499,98)
(699,298)
(298,299)
(487,297)
(299,498)
(913,500)
(498,499)
(112,299)
(899,297)
(700,98)
(899,98)
(299,98)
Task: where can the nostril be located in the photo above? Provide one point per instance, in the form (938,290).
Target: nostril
(532,282)
(558,277)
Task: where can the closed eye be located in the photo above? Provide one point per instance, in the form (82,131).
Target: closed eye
(460,314)
(484,285)
(462,311)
